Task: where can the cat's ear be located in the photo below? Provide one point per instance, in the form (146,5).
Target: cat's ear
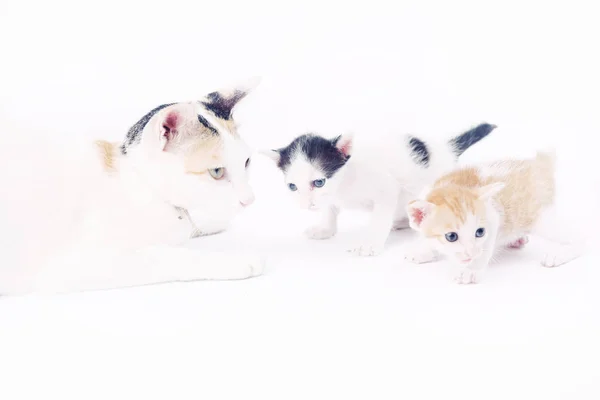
(344,143)
(169,125)
(417,211)
(274,155)
(222,102)
(490,190)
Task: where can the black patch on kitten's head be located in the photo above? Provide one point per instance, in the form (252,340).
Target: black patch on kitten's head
(134,135)
(419,151)
(318,150)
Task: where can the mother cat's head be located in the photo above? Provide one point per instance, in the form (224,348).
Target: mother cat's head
(190,153)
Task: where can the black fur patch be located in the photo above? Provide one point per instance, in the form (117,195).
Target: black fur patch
(207,124)
(419,151)
(317,150)
(221,106)
(462,142)
(134,135)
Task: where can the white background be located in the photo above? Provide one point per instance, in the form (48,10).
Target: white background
(319,324)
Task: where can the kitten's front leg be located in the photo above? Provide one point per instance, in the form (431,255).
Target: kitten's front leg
(327,227)
(420,252)
(473,272)
(377,231)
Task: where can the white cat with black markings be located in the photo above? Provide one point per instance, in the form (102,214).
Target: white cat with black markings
(328,175)
(109,215)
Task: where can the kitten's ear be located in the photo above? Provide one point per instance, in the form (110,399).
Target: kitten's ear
(344,143)
(222,102)
(417,211)
(272,154)
(490,190)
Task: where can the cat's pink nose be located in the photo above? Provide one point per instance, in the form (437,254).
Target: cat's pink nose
(245,202)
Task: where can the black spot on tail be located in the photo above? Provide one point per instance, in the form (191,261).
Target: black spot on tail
(419,151)
(462,142)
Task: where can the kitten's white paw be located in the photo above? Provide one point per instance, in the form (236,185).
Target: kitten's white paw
(419,256)
(367,250)
(561,255)
(320,232)
(466,276)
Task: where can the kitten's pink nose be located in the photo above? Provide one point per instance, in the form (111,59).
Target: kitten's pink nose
(245,202)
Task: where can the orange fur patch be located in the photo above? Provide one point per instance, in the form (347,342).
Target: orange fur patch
(108,152)
(203,155)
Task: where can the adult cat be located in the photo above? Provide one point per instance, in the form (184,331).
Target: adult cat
(109,215)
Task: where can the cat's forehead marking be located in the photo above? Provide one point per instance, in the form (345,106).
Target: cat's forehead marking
(204,154)
(316,150)
(221,106)
(215,125)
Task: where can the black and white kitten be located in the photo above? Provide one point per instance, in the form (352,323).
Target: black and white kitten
(326,175)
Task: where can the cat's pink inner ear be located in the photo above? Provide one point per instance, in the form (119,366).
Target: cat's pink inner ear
(417,211)
(344,145)
(170,123)
(418,215)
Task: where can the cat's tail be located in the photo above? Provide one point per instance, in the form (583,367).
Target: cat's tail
(462,142)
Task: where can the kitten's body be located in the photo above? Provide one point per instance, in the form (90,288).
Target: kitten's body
(508,200)
(97,215)
(378,178)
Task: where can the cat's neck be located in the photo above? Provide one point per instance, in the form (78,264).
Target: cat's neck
(128,180)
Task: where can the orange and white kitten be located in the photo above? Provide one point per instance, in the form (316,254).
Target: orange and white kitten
(470,213)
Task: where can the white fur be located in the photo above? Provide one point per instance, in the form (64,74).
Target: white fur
(68,225)
(378,178)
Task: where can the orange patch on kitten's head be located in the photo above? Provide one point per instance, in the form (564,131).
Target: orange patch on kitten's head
(457,200)
(453,199)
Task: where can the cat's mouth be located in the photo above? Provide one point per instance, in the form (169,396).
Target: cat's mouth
(466,260)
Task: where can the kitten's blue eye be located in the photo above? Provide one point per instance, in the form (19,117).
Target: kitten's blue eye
(319,182)
(452,236)
(480,232)
(292,187)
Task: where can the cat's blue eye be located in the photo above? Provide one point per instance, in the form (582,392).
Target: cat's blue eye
(480,232)
(292,187)
(319,182)
(452,236)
